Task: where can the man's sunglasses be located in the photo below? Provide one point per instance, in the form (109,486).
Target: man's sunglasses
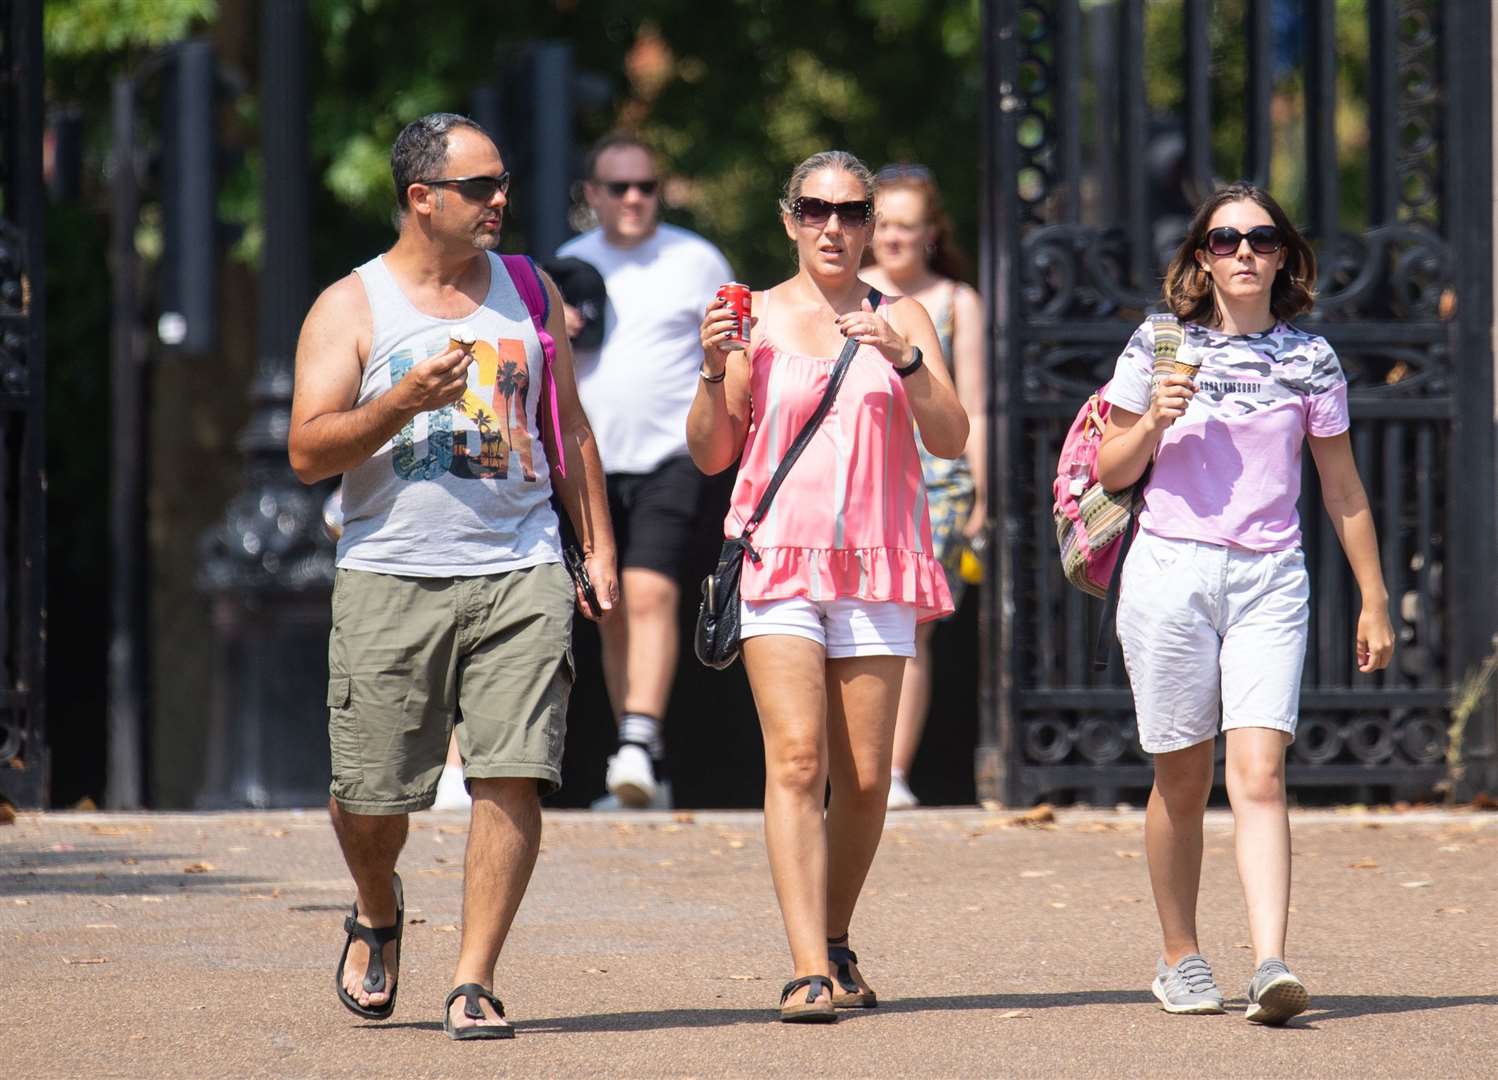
(477,188)
(620,188)
(1264,239)
(817,212)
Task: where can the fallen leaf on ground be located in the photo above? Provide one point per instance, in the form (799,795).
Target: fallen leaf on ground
(1036,815)
(1058,903)
(595,971)
(86,805)
(1014,1014)
(86,960)
(684,818)
(666,862)
(1452,847)
(21,903)
(276,833)
(1036,873)
(1451,911)
(198,868)
(1363,864)
(1416,884)
(745,978)
(735,843)
(100,926)
(152,899)
(446,928)
(1242,945)
(452,830)
(1483,801)
(1127,854)
(1128,899)
(7,814)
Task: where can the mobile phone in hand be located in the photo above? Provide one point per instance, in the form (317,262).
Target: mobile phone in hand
(578,568)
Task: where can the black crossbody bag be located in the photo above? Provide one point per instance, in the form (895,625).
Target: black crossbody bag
(717,639)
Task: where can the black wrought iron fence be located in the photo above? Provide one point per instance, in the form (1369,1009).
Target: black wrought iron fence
(1108,121)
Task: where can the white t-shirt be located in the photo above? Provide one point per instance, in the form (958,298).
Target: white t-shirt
(638,386)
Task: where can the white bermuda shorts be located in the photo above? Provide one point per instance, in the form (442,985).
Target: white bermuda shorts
(1206,628)
(844,627)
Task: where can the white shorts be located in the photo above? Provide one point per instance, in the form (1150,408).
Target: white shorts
(1207,628)
(844,627)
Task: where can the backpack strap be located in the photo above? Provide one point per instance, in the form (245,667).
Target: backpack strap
(527,281)
(1167,333)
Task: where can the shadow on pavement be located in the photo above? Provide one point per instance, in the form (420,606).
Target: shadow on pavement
(98,872)
(1347,1006)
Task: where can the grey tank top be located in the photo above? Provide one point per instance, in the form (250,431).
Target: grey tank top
(463,490)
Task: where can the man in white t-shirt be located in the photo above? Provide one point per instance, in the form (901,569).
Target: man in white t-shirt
(636,389)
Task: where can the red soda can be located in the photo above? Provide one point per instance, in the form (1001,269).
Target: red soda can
(738,298)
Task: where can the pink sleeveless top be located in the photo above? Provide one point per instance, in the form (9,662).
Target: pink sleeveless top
(850,519)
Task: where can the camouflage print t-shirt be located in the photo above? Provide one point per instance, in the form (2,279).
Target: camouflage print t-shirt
(1228,471)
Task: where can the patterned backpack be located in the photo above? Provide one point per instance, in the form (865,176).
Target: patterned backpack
(1094,526)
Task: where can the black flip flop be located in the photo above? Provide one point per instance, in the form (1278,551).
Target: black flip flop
(376,937)
(471,993)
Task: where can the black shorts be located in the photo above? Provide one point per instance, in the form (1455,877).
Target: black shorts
(659,516)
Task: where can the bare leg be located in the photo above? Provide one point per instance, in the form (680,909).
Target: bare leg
(504,837)
(862,695)
(1261,821)
(1173,842)
(454,758)
(915,700)
(371,845)
(788,676)
(639,650)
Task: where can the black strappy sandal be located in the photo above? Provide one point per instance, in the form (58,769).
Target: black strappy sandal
(811,1010)
(849,993)
(471,994)
(376,937)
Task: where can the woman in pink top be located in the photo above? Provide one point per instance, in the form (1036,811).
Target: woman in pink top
(845,570)
(1213,604)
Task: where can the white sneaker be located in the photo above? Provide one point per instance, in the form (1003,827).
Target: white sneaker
(900,795)
(662,800)
(631,778)
(451,792)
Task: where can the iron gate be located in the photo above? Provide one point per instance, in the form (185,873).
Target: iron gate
(1106,122)
(23,749)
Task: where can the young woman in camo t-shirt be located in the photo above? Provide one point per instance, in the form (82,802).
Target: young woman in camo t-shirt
(1213,608)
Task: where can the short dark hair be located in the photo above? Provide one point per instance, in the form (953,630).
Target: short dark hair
(614,140)
(1188,288)
(420,150)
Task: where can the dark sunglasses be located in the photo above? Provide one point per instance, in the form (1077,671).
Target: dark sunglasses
(1263,239)
(904,171)
(477,188)
(817,212)
(620,188)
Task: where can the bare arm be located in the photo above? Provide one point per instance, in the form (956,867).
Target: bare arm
(1347,505)
(582,491)
(971,377)
(328,434)
(1130,439)
(718,421)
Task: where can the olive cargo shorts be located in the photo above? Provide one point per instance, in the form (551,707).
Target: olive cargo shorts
(408,656)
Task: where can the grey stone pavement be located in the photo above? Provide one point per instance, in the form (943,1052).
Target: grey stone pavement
(177,945)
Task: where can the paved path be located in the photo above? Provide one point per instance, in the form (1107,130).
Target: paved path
(169,945)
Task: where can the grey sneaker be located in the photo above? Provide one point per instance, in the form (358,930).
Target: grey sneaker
(1275,994)
(1187,987)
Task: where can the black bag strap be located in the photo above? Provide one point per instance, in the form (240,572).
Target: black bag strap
(1102,652)
(804,436)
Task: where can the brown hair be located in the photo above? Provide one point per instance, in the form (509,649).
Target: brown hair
(944,257)
(1188,288)
(613,141)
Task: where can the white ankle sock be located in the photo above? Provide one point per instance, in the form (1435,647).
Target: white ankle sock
(645,730)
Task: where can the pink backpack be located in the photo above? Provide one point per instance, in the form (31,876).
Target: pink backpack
(1094,526)
(527,280)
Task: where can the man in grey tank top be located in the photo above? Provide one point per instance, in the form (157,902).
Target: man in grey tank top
(421,378)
